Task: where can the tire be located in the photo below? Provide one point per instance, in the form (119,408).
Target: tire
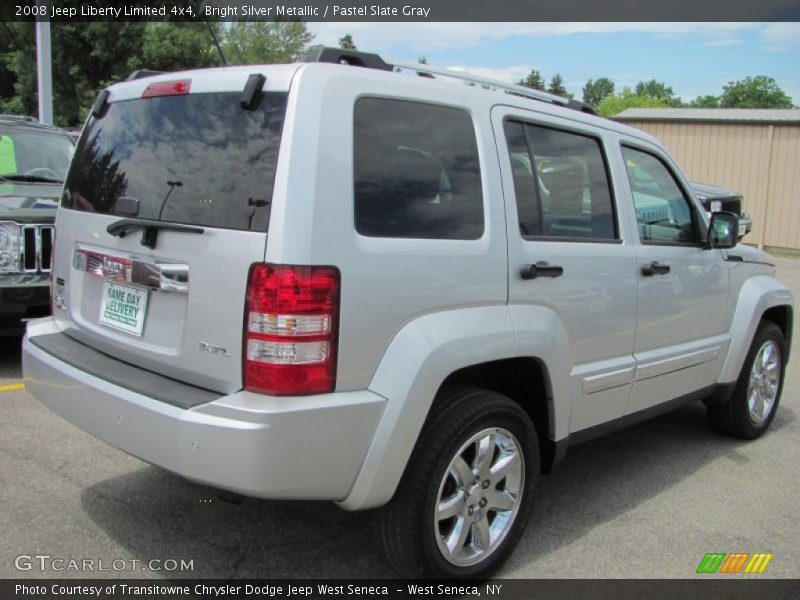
(749,412)
(463,424)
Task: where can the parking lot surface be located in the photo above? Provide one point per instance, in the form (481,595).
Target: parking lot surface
(649,501)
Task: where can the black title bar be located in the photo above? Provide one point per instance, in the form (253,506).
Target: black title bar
(402,10)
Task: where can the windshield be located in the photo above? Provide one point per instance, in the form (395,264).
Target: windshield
(39,155)
(199,159)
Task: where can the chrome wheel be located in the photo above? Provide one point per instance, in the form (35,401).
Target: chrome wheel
(765,378)
(479,497)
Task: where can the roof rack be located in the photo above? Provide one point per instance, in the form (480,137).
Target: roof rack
(373,61)
(495,85)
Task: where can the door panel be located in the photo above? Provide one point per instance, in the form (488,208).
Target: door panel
(565,254)
(680,330)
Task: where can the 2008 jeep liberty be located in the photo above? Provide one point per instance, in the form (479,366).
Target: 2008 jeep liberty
(350,282)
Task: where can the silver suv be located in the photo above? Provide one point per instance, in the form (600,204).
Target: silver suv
(350,282)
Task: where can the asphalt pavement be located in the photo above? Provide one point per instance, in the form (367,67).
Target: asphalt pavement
(649,501)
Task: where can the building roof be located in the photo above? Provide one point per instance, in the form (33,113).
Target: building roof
(730,115)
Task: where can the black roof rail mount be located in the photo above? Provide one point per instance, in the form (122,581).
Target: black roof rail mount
(100,104)
(347,57)
(582,106)
(251,94)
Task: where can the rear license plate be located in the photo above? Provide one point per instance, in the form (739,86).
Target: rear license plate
(123,307)
(742,229)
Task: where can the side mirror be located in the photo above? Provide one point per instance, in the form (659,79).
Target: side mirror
(723,230)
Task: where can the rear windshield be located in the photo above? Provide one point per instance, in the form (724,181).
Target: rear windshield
(198,159)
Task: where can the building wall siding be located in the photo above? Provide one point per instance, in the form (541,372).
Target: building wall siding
(761,161)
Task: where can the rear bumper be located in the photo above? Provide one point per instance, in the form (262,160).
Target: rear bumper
(296,448)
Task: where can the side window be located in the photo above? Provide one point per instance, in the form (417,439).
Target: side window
(416,171)
(561,183)
(663,213)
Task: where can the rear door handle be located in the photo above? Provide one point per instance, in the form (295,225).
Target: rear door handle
(541,269)
(654,268)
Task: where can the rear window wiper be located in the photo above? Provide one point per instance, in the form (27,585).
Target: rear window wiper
(149,229)
(29,178)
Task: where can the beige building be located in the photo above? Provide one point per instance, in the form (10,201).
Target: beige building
(753,151)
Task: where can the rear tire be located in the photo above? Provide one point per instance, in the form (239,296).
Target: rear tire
(749,412)
(467,491)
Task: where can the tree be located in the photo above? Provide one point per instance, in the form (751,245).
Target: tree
(86,58)
(423,60)
(266,42)
(557,86)
(594,92)
(754,92)
(177,46)
(707,101)
(615,104)
(657,90)
(534,80)
(346,42)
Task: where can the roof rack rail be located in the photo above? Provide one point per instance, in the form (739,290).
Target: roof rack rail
(142,73)
(495,85)
(373,61)
(346,57)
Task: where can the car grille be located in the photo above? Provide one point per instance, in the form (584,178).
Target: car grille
(733,205)
(36,248)
(652,215)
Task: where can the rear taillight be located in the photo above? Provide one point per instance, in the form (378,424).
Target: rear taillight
(290,329)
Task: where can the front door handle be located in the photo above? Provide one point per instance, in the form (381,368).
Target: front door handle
(541,269)
(654,268)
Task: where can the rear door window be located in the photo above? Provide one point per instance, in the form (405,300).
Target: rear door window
(416,171)
(198,159)
(561,183)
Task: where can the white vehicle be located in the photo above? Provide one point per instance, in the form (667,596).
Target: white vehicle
(330,281)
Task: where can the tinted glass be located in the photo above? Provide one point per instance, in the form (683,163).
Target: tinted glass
(198,159)
(29,152)
(663,213)
(416,171)
(560,182)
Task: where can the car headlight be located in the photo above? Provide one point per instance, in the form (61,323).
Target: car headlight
(9,247)
(716,206)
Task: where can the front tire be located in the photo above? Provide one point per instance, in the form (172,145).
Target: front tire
(755,398)
(467,492)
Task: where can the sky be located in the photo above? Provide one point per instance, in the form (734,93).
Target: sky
(695,59)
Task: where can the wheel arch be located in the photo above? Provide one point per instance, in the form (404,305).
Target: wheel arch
(526,381)
(783,316)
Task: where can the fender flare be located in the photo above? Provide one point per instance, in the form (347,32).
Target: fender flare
(758,294)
